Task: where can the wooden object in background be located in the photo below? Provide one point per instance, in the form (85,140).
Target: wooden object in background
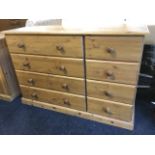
(6,24)
(103,64)
(9,88)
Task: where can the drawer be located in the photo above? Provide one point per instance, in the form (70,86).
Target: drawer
(114,48)
(63,46)
(50,65)
(112,71)
(110,109)
(111,91)
(54,97)
(52,82)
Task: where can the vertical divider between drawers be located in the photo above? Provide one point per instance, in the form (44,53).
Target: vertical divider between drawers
(85,69)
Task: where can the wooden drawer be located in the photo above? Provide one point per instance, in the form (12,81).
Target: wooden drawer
(51,65)
(52,82)
(111,91)
(63,46)
(54,97)
(110,109)
(112,71)
(114,48)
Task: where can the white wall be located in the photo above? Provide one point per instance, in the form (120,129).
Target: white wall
(150,38)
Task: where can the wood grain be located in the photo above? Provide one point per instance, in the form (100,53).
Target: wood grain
(126,30)
(9,85)
(50,65)
(110,109)
(52,82)
(63,46)
(111,91)
(114,48)
(54,97)
(6,24)
(119,72)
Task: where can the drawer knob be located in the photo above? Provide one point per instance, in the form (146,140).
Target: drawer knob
(60,48)
(62,68)
(34,96)
(21,45)
(30,81)
(107,110)
(65,86)
(110,75)
(26,64)
(110,50)
(108,94)
(66,102)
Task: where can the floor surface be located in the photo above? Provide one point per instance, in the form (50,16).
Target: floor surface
(19,119)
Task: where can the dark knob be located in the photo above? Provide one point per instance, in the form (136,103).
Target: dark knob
(31,81)
(110,50)
(21,45)
(107,110)
(65,86)
(26,64)
(34,96)
(110,74)
(108,94)
(66,102)
(60,48)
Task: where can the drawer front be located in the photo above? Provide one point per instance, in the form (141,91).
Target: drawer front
(50,65)
(112,71)
(110,109)
(114,48)
(111,91)
(64,46)
(52,82)
(57,98)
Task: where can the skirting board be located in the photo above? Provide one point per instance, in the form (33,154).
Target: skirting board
(6,97)
(81,114)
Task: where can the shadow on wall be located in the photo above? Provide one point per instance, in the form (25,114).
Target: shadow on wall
(150,38)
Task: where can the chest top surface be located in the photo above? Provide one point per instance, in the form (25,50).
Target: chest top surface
(59,30)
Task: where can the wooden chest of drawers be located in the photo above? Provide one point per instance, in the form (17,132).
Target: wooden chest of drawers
(89,74)
(8,83)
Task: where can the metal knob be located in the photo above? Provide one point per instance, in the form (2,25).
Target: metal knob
(65,86)
(66,102)
(110,50)
(34,96)
(30,81)
(21,45)
(108,94)
(107,110)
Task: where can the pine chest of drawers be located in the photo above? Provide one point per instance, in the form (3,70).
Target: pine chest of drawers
(90,74)
(8,83)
